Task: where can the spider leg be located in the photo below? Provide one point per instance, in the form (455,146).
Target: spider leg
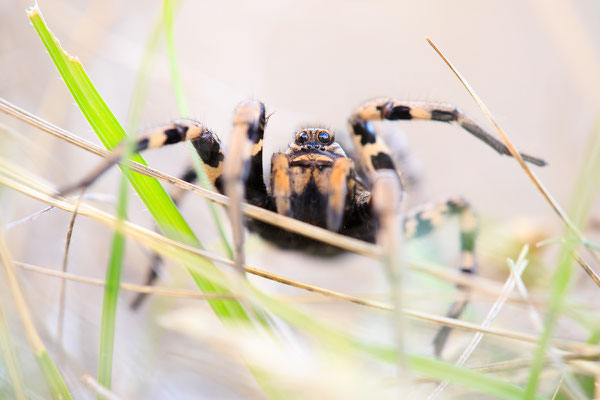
(340,183)
(157,261)
(242,173)
(281,188)
(207,145)
(429,217)
(375,154)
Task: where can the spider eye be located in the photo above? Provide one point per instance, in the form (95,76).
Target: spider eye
(324,137)
(302,138)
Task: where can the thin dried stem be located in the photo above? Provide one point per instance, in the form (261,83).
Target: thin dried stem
(517,156)
(156,290)
(592,274)
(27,218)
(492,314)
(525,362)
(102,391)
(37,346)
(62,290)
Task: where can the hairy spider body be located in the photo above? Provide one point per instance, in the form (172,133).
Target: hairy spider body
(314,181)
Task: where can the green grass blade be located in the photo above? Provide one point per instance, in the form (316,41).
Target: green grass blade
(168,18)
(583,195)
(169,7)
(110,133)
(113,273)
(111,293)
(483,383)
(57,386)
(142,80)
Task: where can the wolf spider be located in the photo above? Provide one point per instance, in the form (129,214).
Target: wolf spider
(316,182)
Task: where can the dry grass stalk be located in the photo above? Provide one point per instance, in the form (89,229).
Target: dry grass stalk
(101,391)
(517,156)
(156,290)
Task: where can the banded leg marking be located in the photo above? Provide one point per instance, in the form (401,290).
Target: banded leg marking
(393,110)
(423,221)
(177,131)
(374,154)
(244,162)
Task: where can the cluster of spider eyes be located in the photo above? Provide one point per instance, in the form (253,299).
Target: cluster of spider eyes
(323,137)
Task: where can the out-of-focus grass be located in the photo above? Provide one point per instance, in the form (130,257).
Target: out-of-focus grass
(51,374)
(581,201)
(10,360)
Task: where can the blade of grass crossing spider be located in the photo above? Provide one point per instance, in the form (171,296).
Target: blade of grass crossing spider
(169,8)
(10,360)
(583,195)
(111,133)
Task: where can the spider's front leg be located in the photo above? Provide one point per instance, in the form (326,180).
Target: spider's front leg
(243,173)
(207,145)
(374,153)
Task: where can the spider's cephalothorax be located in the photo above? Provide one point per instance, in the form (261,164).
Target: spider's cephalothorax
(314,181)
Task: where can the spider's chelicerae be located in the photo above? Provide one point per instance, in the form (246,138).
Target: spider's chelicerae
(316,182)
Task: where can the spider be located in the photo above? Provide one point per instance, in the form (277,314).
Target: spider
(316,182)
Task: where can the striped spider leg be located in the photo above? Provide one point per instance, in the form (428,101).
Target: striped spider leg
(375,155)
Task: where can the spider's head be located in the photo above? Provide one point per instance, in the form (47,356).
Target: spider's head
(314,146)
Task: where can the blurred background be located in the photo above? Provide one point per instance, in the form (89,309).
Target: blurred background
(535,65)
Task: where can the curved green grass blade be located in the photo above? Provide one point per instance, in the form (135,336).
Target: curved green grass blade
(169,7)
(582,200)
(111,293)
(111,133)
